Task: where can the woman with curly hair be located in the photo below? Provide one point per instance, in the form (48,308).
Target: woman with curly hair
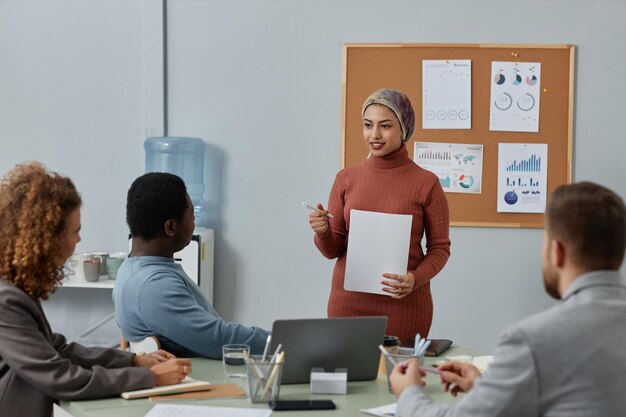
(39,229)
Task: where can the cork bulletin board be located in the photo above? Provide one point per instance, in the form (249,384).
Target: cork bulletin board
(368,67)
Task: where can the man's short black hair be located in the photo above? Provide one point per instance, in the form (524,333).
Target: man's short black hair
(153,199)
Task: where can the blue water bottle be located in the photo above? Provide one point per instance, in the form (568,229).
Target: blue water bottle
(184,157)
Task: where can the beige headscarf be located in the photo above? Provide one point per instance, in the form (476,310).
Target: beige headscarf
(399,103)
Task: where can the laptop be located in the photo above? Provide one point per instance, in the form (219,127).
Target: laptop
(346,342)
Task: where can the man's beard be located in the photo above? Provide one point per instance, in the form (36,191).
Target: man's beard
(551,283)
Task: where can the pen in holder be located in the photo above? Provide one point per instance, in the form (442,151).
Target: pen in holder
(264,377)
(402,354)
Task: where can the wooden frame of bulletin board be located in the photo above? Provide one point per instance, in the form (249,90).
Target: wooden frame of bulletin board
(368,67)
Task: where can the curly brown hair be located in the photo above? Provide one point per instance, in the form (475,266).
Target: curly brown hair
(34,205)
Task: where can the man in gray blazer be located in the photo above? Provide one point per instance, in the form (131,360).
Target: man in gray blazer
(569,360)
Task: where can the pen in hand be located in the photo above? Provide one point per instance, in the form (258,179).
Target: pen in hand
(310,207)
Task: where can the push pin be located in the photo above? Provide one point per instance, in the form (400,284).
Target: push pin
(545,90)
(514,54)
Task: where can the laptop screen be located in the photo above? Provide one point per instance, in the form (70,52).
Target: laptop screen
(346,342)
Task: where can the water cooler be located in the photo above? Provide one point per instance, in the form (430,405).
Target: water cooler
(184,157)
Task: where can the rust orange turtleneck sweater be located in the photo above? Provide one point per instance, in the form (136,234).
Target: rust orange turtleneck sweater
(390,184)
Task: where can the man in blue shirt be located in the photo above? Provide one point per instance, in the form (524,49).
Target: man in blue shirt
(153,295)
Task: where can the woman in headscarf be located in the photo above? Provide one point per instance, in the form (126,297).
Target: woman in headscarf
(39,229)
(388,181)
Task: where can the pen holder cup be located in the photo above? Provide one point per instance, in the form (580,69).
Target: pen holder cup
(263,379)
(399,356)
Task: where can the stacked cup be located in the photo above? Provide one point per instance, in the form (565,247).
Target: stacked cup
(90,266)
(114,261)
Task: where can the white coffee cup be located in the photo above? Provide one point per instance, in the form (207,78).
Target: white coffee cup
(74,267)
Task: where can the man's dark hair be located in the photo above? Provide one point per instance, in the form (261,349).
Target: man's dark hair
(153,199)
(590,220)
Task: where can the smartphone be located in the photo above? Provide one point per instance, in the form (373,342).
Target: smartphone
(302,405)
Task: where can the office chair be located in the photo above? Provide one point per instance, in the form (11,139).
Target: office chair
(147,345)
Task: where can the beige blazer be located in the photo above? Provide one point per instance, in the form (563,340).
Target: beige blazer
(568,361)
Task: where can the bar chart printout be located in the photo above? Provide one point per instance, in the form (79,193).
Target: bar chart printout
(458,166)
(522,177)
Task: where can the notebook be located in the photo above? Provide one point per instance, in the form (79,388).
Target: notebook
(186,385)
(346,342)
(436,348)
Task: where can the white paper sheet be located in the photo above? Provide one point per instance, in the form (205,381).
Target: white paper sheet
(174,410)
(377,243)
(382,411)
(522,177)
(515,94)
(459,166)
(447,94)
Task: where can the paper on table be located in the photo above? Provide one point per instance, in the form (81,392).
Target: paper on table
(169,410)
(377,243)
(482,362)
(383,410)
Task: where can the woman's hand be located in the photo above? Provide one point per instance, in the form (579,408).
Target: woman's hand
(171,372)
(318,219)
(399,286)
(151,359)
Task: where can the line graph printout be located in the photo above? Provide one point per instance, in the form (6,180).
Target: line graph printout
(515,88)
(458,166)
(522,177)
(447,94)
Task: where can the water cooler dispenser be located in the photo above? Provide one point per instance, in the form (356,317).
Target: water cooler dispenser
(183,157)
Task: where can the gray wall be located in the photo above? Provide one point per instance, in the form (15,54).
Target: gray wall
(260,82)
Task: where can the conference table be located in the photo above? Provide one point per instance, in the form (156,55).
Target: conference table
(360,395)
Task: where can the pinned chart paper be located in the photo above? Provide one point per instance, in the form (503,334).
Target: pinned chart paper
(515,88)
(447,94)
(459,166)
(377,243)
(522,177)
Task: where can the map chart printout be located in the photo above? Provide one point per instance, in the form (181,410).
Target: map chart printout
(459,166)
